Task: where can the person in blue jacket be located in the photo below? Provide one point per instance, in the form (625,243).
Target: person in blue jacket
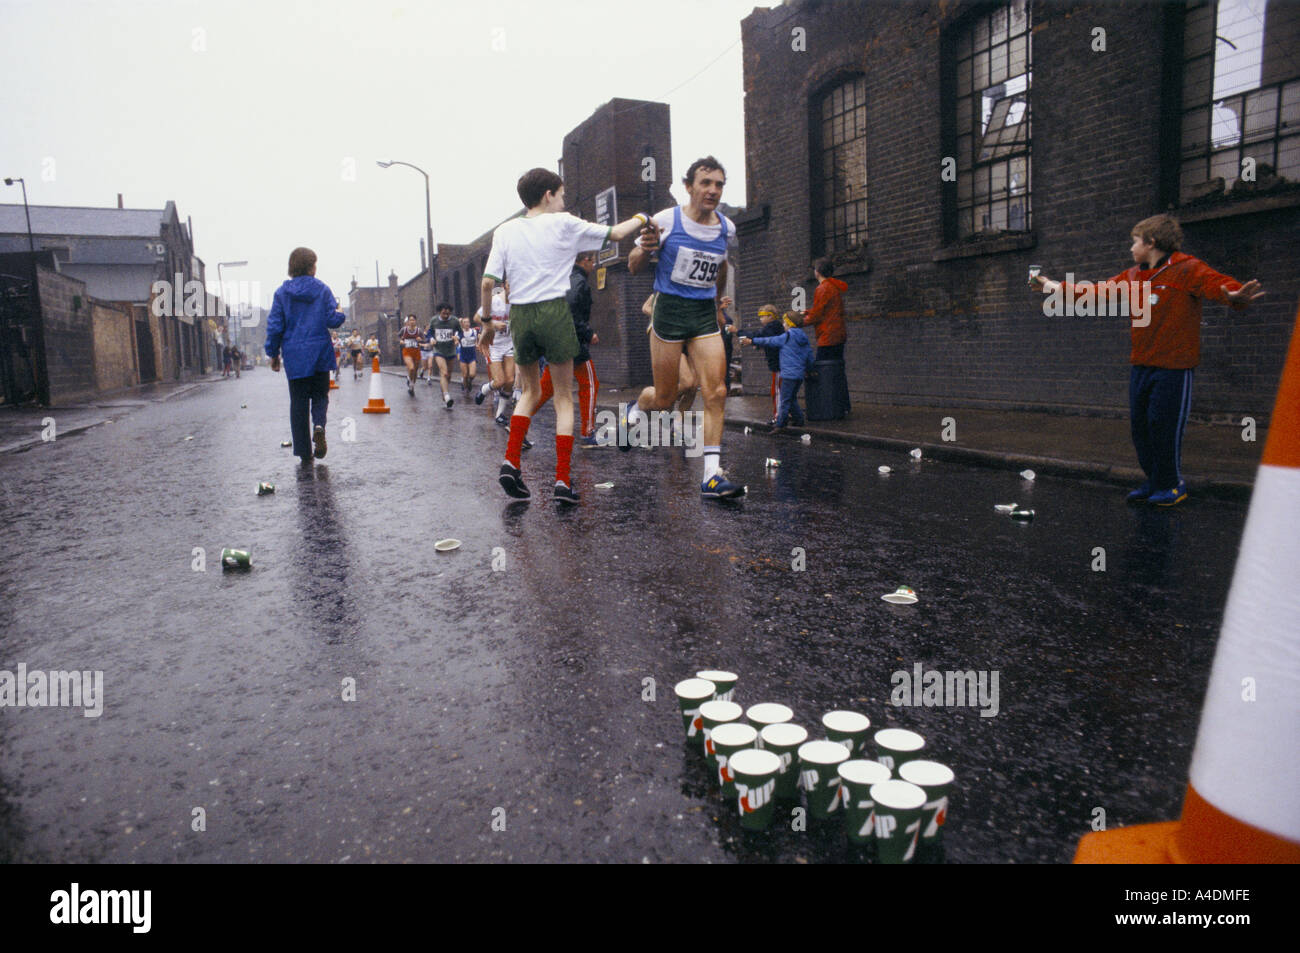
(796,358)
(298,328)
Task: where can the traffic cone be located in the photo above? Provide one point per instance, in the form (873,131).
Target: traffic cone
(1243,793)
(334,380)
(376,404)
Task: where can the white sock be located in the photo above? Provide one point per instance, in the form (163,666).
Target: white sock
(712,462)
(516,395)
(501,405)
(487,386)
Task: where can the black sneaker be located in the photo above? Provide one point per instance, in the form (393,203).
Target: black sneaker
(478,397)
(318,438)
(450,401)
(512,482)
(564,494)
(527,444)
(503,421)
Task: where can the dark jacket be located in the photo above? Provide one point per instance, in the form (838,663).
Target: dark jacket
(297,329)
(579,298)
(771,329)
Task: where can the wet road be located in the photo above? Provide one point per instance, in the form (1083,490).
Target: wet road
(516,696)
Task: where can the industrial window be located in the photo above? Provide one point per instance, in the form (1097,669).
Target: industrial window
(1241,92)
(840,179)
(993,77)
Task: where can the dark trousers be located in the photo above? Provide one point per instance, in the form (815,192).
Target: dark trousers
(307,394)
(790,403)
(830,352)
(1159,402)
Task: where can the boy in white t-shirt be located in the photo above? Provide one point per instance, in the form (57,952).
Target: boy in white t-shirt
(536,253)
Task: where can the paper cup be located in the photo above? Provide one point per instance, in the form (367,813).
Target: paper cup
(936,780)
(848,728)
(767,713)
(726,682)
(727,739)
(715,713)
(236,559)
(915,454)
(755,772)
(1005,507)
(896,746)
(446,545)
(856,779)
(902,596)
(691,693)
(883,469)
(898,820)
(783,740)
(806,439)
(818,777)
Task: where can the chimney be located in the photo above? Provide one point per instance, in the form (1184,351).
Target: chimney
(119,199)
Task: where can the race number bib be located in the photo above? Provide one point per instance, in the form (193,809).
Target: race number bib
(443,335)
(696,269)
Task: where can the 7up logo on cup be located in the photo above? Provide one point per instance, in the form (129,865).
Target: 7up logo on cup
(755,773)
(691,693)
(898,820)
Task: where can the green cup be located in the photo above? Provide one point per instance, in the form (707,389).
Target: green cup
(691,693)
(713,714)
(849,729)
(727,739)
(898,820)
(856,779)
(236,559)
(897,746)
(726,682)
(783,740)
(754,772)
(818,777)
(767,713)
(936,780)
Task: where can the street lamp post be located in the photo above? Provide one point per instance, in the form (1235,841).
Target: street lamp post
(42,381)
(221,286)
(428,225)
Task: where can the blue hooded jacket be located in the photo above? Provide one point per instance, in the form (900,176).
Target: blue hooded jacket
(297,329)
(797,355)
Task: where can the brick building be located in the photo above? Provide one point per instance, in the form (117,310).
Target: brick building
(935,149)
(374,311)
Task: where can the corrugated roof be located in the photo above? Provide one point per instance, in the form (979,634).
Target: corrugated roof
(74,220)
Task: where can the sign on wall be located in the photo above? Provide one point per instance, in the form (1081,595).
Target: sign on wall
(607,214)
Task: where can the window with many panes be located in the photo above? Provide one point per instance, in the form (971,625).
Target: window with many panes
(1241,91)
(993,77)
(840,192)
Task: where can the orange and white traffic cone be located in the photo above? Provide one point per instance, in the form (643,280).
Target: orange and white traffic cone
(376,404)
(1243,794)
(334,380)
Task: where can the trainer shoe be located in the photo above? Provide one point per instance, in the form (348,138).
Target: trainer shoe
(450,400)
(318,438)
(478,398)
(1141,494)
(527,444)
(718,487)
(564,494)
(625,441)
(512,482)
(502,421)
(410,387)
(587,441)
(1169,497)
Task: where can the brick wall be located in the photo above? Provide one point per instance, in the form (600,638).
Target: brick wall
(114,351)
(934,322)
(69,341)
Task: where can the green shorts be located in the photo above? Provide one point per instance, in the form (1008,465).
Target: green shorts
(680,319)
(543,329)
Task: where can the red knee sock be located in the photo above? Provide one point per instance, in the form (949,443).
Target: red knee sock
(515,445)
(563,450)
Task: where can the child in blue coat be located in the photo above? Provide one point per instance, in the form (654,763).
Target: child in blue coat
(298,326)
(796,357)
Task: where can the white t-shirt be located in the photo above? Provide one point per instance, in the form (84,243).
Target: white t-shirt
(536,254)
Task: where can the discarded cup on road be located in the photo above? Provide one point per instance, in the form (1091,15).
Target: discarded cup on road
(691,693)
(748,431)
(189,438)
(856,779)
(897,746)
(712,714)
(916,454)
(1022,515)
(754,773)
(1028,474)
(897,808)
(818,777)
(726,740)
(936,780)
(236,559)
(605,486)
(1005,508)
(767,713)
(726,682)
(771,462)
(264,488)
(446,545)
(783,740)
(848,728)
(806,439)
(883,469)
(286,443)
(243,406)
(902,596)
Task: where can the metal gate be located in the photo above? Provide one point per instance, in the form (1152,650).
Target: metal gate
(17,340)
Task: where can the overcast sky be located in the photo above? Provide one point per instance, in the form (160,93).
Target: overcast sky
(263,120)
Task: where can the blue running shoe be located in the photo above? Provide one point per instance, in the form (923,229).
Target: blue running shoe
(718,487)
(1141,494)
(1169,497)
(587,441)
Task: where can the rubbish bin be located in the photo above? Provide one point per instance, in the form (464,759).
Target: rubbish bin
(828,395)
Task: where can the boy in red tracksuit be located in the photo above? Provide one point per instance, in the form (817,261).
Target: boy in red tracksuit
(1164,290)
